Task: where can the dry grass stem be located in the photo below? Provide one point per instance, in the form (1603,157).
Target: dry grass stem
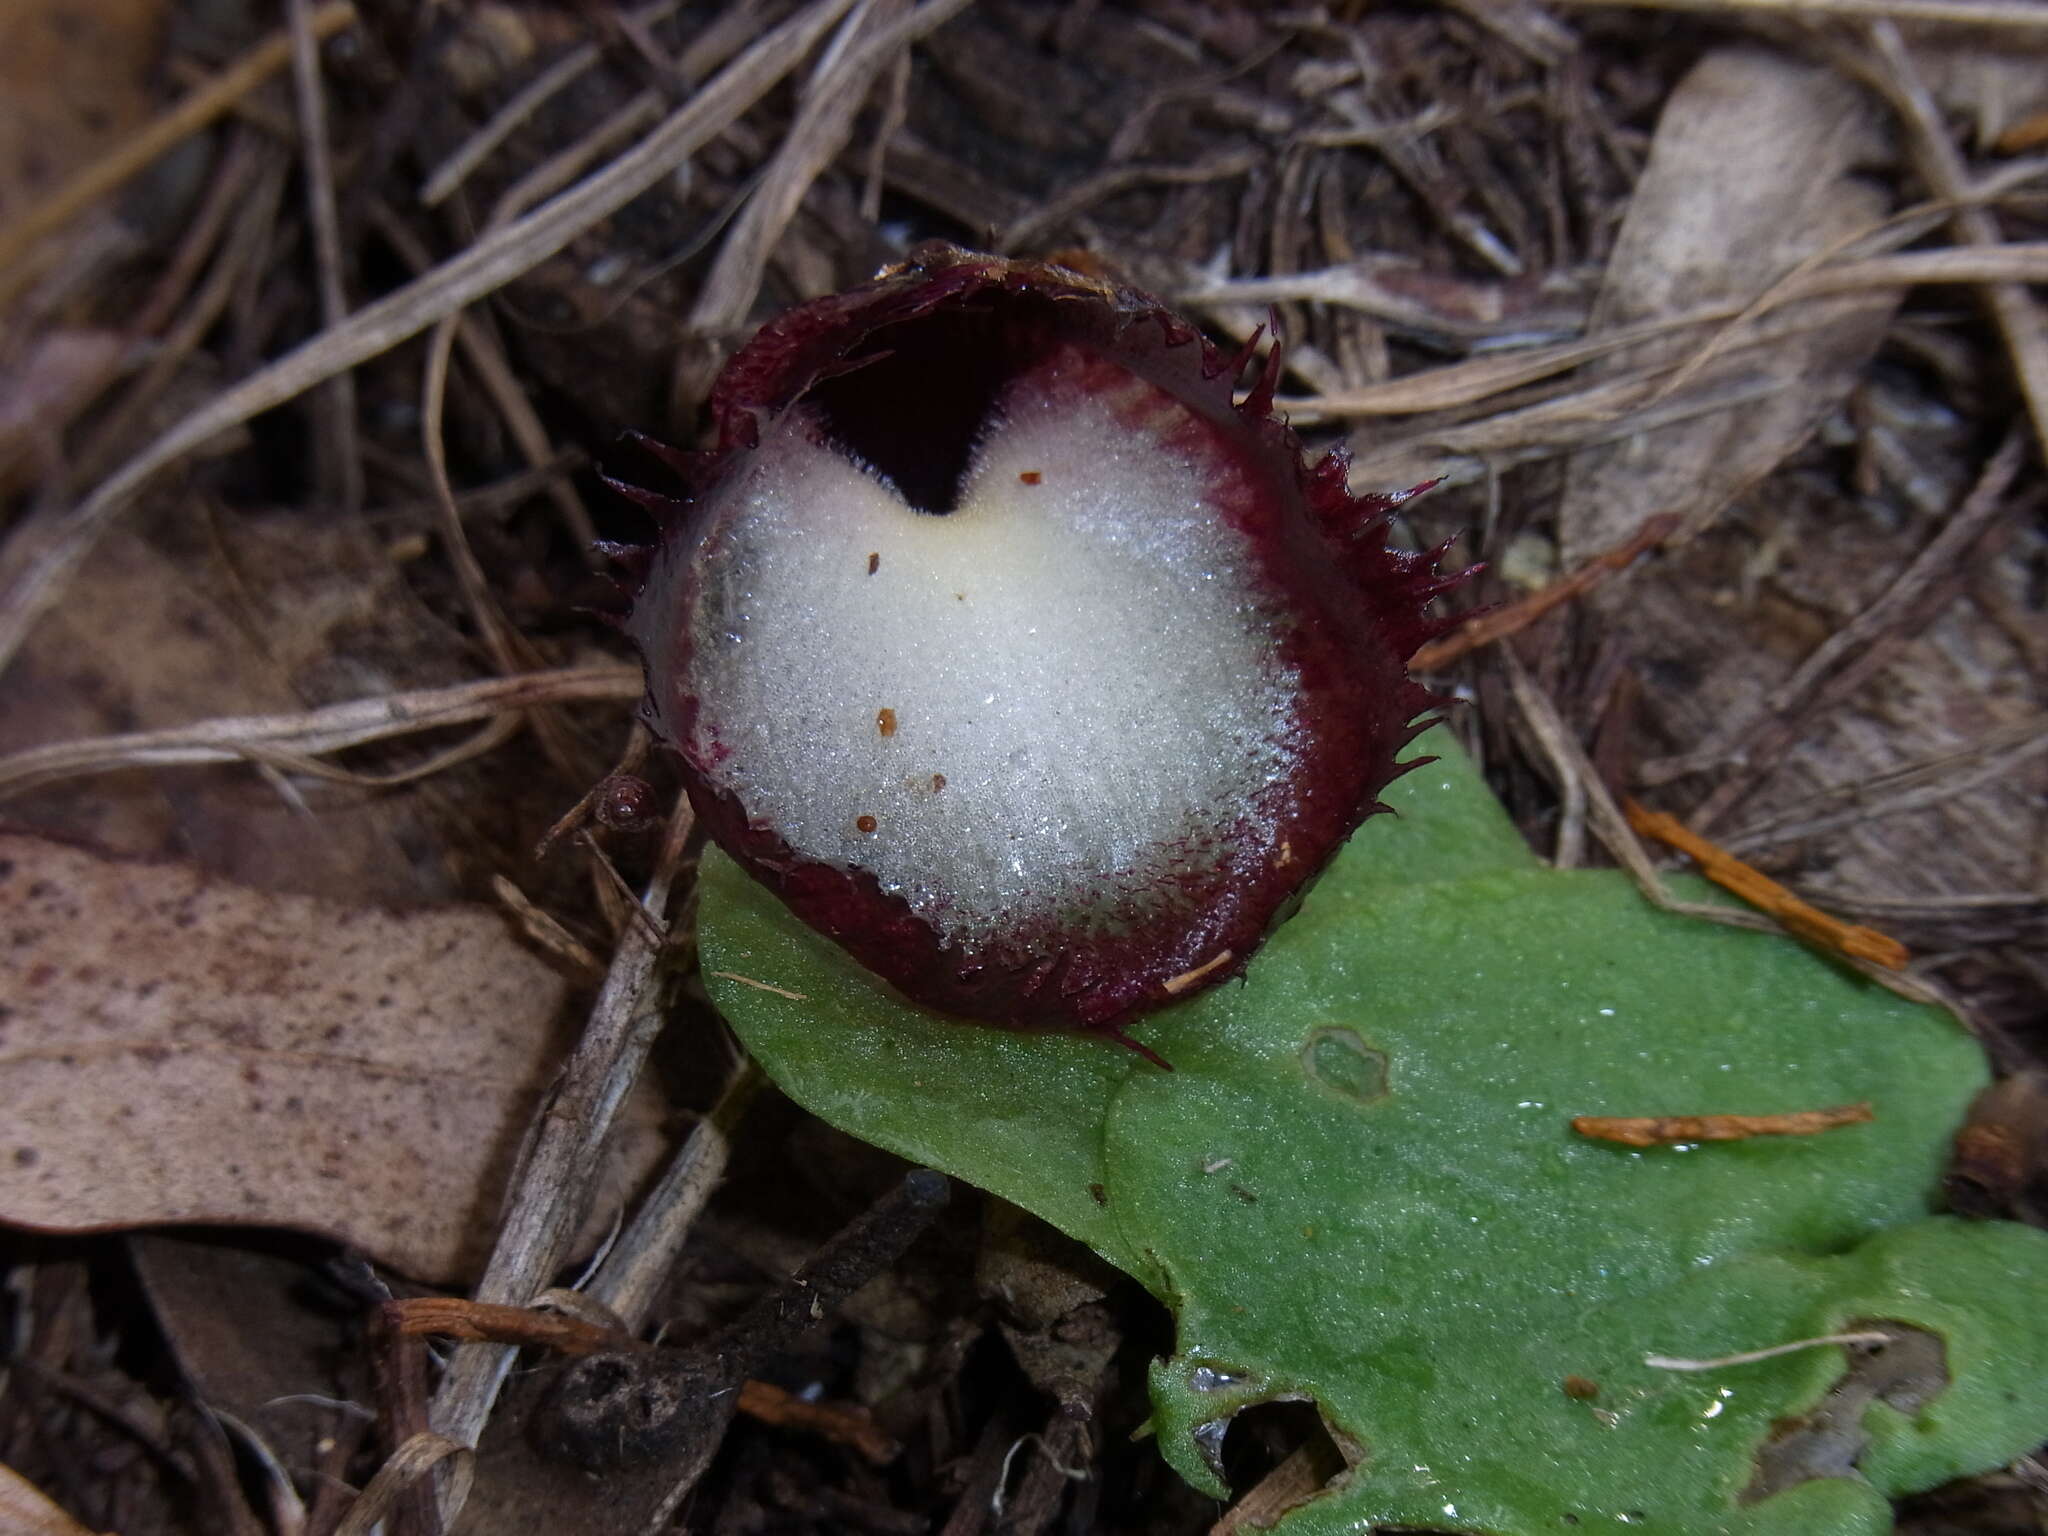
(1084,194)
(895,111)
(508,397)
(137,152)
(623,898)
(1915,787)
(509,650)
(295,742)
(550,935)
(1611,410)
(236,257)
(529,99)
(1398,291)
(824,123)
(42,554)
(1477,379)
(1752,1356)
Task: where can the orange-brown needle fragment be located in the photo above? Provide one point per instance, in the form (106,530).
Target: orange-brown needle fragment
(1670,1130)
(1760,890)
(454,1317)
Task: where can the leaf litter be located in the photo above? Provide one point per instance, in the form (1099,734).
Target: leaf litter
(1471,219)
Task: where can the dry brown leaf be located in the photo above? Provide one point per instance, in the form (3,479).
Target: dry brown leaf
(1750,172)
(26,1511)
(178,1049)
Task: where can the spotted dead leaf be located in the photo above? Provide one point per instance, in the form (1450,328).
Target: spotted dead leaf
(174,1048)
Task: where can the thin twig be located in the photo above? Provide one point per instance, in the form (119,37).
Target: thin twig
(136,153)
(529,99)
(43,553)
(480,349)
(550,1189)
(344,469)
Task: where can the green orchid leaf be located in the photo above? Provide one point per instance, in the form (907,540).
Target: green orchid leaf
(1359,1186)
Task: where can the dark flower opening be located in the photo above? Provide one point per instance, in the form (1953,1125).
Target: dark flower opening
(914,402)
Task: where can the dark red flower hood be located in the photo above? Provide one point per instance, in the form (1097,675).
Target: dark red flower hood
(1011,652)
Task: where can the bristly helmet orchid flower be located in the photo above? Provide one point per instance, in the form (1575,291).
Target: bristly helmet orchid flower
(1011,652)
